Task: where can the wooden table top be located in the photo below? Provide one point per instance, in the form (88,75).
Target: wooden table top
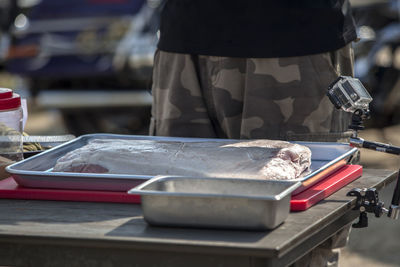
(122,225)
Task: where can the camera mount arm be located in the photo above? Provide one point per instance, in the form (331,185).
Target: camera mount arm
(349,94)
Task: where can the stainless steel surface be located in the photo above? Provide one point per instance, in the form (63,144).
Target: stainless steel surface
(394,212)
(48,140)
(36,171)
(215,202)
(357,142)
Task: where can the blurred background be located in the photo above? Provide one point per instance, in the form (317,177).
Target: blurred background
(84,66)
(88,62)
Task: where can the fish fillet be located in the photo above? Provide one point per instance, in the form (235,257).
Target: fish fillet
(254,159)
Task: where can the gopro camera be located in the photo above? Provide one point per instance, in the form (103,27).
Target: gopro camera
(349,94)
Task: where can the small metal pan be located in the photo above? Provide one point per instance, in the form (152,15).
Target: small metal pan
(215,202)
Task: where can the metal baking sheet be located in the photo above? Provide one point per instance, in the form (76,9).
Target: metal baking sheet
(36,171)
(215,202)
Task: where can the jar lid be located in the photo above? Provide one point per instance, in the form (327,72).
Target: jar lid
(5,93)
(10,103)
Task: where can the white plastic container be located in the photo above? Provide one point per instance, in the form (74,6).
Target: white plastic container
(11,116)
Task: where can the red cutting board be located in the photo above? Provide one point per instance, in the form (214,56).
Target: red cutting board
(10,189)
(325,188)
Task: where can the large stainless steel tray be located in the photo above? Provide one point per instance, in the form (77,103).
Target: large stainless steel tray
(36,171)
(215,202)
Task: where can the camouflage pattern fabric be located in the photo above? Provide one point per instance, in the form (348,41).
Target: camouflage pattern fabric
(249,98)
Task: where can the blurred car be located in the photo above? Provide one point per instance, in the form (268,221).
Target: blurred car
(377,58)
(87,58)
(8,12)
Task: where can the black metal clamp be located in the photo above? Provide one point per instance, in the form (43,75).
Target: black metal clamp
(367,201)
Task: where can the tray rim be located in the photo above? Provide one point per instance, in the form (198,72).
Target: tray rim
(138,190)
(12,168)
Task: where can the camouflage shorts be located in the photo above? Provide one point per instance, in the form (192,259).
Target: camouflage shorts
(241,98)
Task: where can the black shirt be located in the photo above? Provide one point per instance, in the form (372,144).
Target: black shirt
(255,28)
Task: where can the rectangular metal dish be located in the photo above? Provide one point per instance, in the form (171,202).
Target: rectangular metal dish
(215,202)
(36,171)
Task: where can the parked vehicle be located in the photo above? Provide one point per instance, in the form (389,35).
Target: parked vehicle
(8,12)
(377,58)
(88,58)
